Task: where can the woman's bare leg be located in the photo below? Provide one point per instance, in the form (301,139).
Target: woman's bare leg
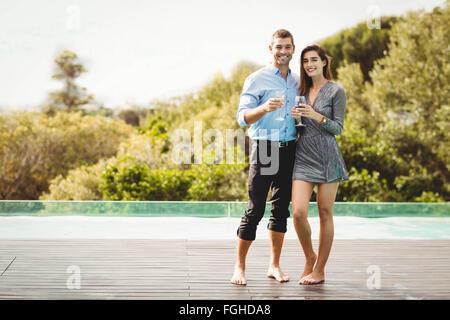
(301,194)
(325,201)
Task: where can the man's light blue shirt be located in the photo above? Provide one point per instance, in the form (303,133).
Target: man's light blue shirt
(259,87)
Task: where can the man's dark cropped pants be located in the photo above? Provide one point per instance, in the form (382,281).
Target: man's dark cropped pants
(259,184)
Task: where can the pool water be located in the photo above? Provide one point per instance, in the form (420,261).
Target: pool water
(210,220)
(83,227)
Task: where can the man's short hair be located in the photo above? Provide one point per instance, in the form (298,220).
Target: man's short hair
(282,33)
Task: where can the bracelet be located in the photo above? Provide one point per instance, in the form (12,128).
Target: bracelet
(324,119)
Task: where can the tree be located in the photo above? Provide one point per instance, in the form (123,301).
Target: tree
(394,142)
(71,97)
(359,44)
(396,132)
(410,95)
(130,117)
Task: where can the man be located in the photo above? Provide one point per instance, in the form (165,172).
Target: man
(266,101)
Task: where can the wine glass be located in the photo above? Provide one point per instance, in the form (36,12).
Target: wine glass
(298,101)
(279,94)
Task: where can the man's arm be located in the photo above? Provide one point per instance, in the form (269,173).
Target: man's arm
(249,111)
(253,115)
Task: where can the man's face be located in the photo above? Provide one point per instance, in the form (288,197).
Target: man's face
(282,50)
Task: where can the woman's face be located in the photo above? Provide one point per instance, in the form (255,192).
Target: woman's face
(313,64)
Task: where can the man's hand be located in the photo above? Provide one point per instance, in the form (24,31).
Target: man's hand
(253,115)
(273,104)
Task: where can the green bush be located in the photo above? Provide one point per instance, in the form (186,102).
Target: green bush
(134,180)
(428,196)
(35,148)
(364,186)
(79,184)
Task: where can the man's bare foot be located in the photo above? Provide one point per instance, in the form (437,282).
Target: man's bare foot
(277,274)
(309,266)
(315,277)
(239,276)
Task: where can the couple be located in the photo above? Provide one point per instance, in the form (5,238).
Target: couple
(314,159)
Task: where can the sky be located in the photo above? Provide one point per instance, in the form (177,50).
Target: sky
(136,51)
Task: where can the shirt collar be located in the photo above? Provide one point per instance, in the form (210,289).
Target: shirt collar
(275,70)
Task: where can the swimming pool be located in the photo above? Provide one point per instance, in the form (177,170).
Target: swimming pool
(209,209)
(209,220)
(82,227)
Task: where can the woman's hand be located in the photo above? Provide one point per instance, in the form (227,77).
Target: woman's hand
(295,113)
(308,112)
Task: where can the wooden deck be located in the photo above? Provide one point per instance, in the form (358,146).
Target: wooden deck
(184,269)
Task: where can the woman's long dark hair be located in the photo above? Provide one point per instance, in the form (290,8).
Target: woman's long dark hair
(305,80)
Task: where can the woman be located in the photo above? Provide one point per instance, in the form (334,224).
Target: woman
(318,159)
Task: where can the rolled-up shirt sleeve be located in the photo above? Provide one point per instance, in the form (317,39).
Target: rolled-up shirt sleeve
(249,99)
(336,125)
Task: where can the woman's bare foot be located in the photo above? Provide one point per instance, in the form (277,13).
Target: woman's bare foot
(277,274)
(239,276)
(315,277)
(309,266)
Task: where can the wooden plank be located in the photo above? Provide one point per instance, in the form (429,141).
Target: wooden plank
(185,269)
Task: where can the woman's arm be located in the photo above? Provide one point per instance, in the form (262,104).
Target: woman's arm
(335,125)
